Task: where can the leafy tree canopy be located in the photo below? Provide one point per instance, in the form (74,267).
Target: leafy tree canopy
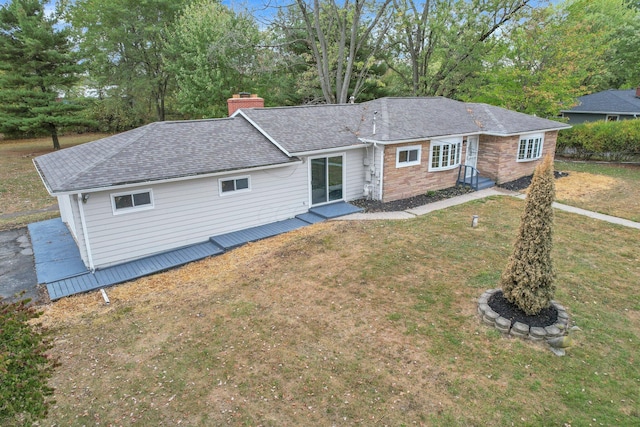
(214,53)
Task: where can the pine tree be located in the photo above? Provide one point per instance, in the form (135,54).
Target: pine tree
(528,280)
(36,62)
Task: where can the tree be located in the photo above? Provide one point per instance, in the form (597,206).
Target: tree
(25,367)
(123,42)
(36,65)
(344,43)
(528,280)
(214,53)
(555,54)
(439,45)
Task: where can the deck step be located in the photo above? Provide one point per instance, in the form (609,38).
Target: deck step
(482,183)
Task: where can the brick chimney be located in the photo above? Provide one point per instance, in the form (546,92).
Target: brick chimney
(638,92)
(244,100)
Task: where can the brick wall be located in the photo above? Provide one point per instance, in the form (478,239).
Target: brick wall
(249,101)
(496,160)
(497,157)
(409,181)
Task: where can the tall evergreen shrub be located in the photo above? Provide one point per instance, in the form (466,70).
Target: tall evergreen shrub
(528,280)
(25,366)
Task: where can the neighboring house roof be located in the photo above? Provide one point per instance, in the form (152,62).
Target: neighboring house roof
(608,102)
(159,151)
(262,137)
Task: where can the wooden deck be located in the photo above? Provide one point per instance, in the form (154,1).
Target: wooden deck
(59,266)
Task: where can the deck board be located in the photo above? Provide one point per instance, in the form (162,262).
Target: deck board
(241,237)
(64,274)
(335,210)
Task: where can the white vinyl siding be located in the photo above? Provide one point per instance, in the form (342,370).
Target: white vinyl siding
(530,147)
(66,213)
(191,211)
(354,174)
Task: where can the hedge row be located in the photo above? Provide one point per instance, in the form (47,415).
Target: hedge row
(607,140)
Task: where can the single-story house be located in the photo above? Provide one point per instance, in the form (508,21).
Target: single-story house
(610,105)
(172,184)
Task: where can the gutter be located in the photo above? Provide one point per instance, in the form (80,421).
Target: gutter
(164,181)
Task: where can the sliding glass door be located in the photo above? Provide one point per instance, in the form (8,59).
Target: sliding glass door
(326,179)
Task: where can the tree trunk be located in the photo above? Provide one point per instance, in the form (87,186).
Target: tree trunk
(54,137)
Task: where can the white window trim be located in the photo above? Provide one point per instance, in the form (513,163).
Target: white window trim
(536,156)
(408,148)
(234,178)
(344,176)
(133,208)
(612,118)
(450,141)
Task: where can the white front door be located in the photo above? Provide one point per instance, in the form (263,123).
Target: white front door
(472,155)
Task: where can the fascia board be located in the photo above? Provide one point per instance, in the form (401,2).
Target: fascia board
(164,181)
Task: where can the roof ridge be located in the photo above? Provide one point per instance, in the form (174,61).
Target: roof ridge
(487,109)
(91,165)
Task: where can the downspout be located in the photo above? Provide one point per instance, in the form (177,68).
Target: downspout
(85,232)
(375,145)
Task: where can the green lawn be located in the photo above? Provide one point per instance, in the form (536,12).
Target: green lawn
(359,323)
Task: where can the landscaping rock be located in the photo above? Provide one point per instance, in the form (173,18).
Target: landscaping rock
(537,334)
(553,331)
(520,330)
(503,325)
(560,342)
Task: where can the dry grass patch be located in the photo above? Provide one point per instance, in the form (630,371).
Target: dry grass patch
(605,188)
(23,197)
(365,323)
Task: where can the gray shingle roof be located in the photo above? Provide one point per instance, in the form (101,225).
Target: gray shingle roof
(169,150)
(310,127)
(162,150)
(315,128)
(608,101)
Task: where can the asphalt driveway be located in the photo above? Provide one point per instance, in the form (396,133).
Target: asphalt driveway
(17,267)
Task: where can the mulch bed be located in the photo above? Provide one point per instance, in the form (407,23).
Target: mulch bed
(522,183)
(434,196)
(504,308)
(412,202)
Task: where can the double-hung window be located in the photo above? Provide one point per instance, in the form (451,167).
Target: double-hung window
(132,201)
(234,185)
(530,147)
(445,154)
(408,156)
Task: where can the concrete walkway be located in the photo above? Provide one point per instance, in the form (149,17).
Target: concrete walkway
(494,191)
